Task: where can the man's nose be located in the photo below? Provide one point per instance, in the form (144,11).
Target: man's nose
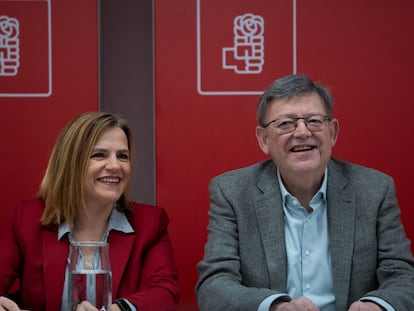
(301,129)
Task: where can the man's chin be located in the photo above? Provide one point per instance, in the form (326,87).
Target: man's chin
(307,167)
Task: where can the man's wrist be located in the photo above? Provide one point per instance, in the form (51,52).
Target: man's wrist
(281,300)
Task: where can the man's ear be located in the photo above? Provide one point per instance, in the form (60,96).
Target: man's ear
(334,128)
(261,135)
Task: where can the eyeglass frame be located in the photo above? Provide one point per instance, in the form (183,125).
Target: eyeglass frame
(296,119)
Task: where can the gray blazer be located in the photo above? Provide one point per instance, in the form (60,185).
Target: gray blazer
(245,254)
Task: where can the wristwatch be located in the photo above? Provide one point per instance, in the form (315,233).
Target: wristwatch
(122,304)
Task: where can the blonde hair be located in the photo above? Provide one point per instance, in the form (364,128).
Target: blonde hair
(62,185)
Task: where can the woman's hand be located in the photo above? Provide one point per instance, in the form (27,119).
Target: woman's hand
(115,307)
(7,304)
(86,306)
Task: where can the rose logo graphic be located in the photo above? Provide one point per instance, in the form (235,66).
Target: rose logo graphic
(9,46)
(247,54)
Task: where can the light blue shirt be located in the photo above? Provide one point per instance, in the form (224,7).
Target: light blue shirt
(118,222)
(308,254)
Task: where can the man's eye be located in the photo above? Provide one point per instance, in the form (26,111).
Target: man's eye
(314,121)
(286,123)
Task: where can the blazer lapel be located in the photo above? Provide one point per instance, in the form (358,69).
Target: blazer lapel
(120,248)
(55,254)
(270,218)
(341,219)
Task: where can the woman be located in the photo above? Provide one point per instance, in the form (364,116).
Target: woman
(83,197)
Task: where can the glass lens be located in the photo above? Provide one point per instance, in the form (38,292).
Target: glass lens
(286,125)
(314,123)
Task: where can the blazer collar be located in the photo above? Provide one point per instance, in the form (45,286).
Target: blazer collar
(120,248)
(270,219)
(55,254)
(341,219)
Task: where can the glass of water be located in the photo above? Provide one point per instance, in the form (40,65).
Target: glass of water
(90,277)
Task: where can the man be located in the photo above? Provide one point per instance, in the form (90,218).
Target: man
(304,231)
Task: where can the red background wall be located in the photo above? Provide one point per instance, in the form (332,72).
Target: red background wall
(362,50)
(30,125)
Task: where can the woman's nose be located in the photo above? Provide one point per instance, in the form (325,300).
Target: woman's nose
(113,162)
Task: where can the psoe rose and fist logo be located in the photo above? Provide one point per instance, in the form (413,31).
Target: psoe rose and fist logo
(25,48)
(246,56)
(9,46)
(243,45)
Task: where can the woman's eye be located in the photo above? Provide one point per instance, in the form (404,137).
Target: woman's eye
(123,156)
(98,155)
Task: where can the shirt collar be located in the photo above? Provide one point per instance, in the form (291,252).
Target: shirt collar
(320,192)
(117,221)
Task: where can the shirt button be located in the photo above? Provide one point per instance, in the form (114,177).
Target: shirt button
(295,202)
(307,286)
(307,253)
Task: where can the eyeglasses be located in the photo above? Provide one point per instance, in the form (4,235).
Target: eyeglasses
(288,124)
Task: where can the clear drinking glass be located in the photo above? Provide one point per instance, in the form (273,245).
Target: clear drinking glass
(90,276)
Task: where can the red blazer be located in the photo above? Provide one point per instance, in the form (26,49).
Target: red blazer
(142,263)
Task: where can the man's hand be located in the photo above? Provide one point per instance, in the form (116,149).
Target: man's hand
(365,306)
(300,304)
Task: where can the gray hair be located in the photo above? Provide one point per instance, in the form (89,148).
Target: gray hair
(292,86)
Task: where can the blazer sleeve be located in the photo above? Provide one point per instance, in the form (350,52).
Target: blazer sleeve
(395,272)
(10,260)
